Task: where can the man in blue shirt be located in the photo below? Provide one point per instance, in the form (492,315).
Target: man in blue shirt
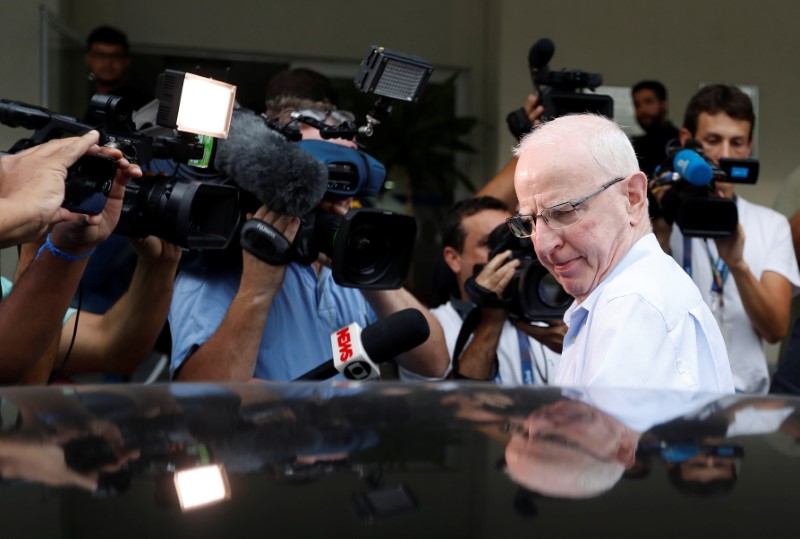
(272,322)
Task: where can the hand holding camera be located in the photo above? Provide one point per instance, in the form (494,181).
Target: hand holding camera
(33,184)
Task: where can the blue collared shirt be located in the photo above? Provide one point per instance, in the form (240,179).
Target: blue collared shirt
(302,316)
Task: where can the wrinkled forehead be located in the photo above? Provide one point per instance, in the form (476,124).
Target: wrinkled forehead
(552,172)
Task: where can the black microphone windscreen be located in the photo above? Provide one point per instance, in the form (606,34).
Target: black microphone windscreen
(261,161)
(541,52)
(395,334)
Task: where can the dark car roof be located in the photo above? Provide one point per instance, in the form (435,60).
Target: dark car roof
(396,460)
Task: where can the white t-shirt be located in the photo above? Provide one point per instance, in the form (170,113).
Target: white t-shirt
(767,247)
(511,369)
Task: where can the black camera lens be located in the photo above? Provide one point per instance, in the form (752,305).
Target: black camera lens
(369,251)
(551,293)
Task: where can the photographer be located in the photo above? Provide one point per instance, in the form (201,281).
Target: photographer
(274,322)
(31,314)
(510,353)
(749,277)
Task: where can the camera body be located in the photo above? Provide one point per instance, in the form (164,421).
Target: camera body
(189,213)
(563,93)
(533,293)
(369,248)
(560,92)
(691,201)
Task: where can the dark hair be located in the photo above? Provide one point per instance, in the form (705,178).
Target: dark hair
(659,89)
(452,233)
(699,489)
(716,98)
(110,35)
(300,83)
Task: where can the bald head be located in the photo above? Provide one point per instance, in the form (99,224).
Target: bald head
(582,172)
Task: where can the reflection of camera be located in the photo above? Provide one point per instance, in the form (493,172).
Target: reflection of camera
(533,293)
(188,213)
(691,201)
(560,92)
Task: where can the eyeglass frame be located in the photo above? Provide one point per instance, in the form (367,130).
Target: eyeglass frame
(339,115)
(574,203)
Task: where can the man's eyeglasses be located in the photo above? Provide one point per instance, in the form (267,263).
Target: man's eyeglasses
(558,216)
(334,117)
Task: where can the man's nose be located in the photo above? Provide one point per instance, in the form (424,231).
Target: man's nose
(544,238)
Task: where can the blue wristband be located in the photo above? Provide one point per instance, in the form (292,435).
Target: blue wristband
(61,254)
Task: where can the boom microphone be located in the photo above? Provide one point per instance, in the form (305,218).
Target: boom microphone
(356,352)
(540,53)
(261,161)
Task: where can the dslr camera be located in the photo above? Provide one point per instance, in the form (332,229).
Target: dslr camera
(533,293)
(691,200)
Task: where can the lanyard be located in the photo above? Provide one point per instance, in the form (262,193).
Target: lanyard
(527,362)
(719,270)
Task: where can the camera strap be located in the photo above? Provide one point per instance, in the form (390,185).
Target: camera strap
(471,321)
(483,297)
(261,240)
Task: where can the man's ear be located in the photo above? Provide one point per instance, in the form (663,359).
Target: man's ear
(684,135)
(637,195)
(453,259)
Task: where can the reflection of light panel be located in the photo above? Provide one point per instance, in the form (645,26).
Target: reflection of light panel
(206,106)
(201,486)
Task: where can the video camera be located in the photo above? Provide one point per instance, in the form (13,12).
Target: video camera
(533,293)
(369,248)
(189,213)
(560,92)
(691,200)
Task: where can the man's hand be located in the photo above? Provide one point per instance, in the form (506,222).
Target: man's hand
(496,275)
(32,186)
(731,248)
(533,109)
(259,277)
(81,233)
(156,251)
(551,335)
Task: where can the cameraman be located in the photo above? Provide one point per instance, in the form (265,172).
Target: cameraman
(754,305)
(518,353)
(274,322)
(31,314)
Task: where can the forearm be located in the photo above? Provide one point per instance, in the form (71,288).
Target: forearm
(428,359)
(31,316)
(17,225)
(477,360)
(231,353)
(767,303)
(502,185)
(122,338)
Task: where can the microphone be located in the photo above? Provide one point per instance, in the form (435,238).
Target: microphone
(693,167)
(261,161)
(357,352)
(540,53)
